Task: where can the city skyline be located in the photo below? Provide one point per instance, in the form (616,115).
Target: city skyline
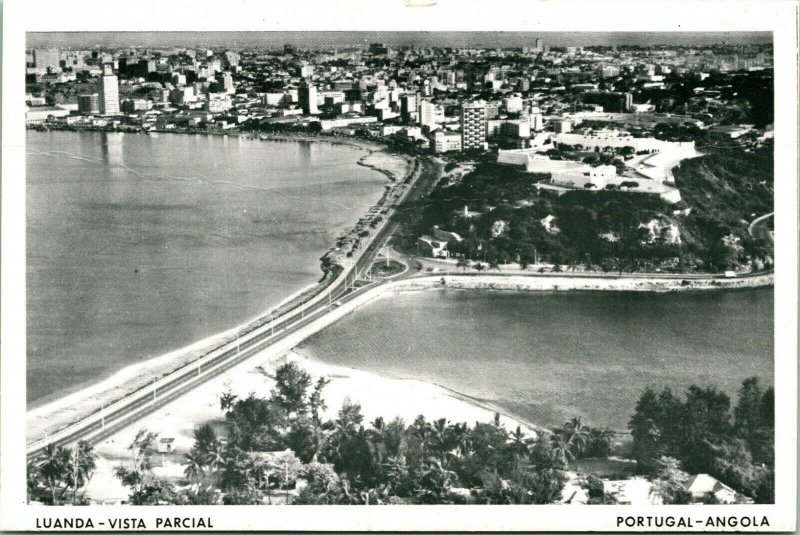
(311,39)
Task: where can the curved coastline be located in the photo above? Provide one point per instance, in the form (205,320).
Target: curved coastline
(90,397)
(78,404)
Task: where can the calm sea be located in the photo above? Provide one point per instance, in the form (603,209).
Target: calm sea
(549,356)
(138,245)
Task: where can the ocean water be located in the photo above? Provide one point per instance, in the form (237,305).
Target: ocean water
(138,245)
(548,356)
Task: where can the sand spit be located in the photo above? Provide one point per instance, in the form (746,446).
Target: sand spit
(378,396)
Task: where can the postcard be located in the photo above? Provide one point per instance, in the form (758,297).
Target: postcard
(407,266)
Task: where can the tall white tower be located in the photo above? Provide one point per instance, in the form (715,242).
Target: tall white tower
(108,91)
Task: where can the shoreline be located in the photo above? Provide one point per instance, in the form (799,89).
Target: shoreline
(67,409)
(375,393)
(86,398)
(588,283)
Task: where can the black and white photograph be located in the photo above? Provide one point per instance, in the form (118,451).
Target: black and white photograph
(533,265)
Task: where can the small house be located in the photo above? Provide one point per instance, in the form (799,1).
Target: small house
(701,485)
(165,445)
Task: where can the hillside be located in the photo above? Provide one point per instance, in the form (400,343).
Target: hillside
(508,220)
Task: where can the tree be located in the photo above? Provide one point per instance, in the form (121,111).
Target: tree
(519,446)
(599,442)
(54,471)
(285,468)
(706,421)
(82,465)
(670,484)
(656,427)
(195,463)
(204,438)
(323,485)
(562,448)
(145,489)
(435,482)
(576,435)
(749,422)
(255,424)
(215,455)
(596,491)
(291,386)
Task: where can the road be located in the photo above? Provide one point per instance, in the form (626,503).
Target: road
(760,229)
(136,405)
(144,401)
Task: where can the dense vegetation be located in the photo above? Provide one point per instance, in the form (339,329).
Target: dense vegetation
(699,434)
(271,442)
(268,445)
(725,189)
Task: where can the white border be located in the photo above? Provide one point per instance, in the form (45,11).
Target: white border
(369,15)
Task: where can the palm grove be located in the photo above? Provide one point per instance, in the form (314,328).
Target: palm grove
(273,443)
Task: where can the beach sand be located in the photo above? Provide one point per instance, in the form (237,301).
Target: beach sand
(378,396)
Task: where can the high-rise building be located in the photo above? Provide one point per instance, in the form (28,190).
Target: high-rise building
(430,114)
(539,44)
(473,125)
(408,107)
(307,95)
(108,92)
(89,103)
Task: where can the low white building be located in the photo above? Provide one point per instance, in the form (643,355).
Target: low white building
(327,124)
(610,139)
(445,142)
(40,114)
(701,485)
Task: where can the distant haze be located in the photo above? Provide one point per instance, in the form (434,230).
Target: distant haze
(344,39)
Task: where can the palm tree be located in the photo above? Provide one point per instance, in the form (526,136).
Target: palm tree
(32,471)
(577,434)
(55,471)
(195,463)
(562,448)
(215,458)
(519,444)
(82,469)
(438,438)
(461,439)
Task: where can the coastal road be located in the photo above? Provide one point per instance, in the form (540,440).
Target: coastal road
(112,420)
(144,401)
(760,229)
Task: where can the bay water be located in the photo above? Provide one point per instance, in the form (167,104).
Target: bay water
(138,245)
(547,356)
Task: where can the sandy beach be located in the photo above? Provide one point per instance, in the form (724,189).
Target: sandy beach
(378,396)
